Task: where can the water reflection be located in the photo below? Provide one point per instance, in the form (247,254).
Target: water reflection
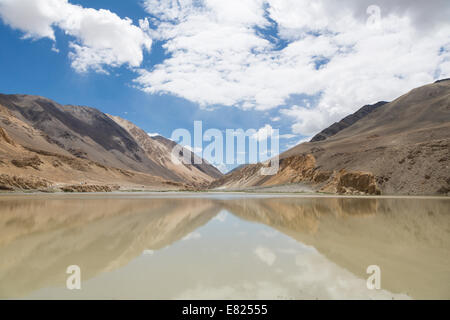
(234,247)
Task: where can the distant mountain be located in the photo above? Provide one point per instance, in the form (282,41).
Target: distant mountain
(442,80)
(199,164)
(401,147)
(159,149)
(346,122)
(46,131)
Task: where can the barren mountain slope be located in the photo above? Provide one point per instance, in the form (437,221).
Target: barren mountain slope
(400,148)
(82,131)
(159,150)
(46,146)
(27,168)
(202,165)
(347,121)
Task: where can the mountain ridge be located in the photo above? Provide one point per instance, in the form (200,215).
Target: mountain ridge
(347,121)
(87,138)
(401,147)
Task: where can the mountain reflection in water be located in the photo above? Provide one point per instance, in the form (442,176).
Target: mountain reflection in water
(224,247)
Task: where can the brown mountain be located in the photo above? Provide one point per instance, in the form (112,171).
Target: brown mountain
(401,147)
(45,144)
(346,122)
(159,149)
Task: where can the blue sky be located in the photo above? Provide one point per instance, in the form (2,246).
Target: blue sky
(235,64)
(32,68)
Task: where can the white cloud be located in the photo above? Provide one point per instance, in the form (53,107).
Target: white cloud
(153,134)
(259,54)
(35,18)
(222,216)
(264,133)
(192,236)
(219,56)
(266,255)
(288,136)
(101,37)
(268,131)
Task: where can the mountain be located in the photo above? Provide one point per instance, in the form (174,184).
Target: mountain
(346,122)
(401,147)
(44,144)
(203,165)
(159,149)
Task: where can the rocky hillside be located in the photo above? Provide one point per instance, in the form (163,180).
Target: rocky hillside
(346,122)
(45,145)
(402,147)
(159,150)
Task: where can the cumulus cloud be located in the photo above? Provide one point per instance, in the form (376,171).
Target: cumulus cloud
(264,133)
(155,134)
(265,255)
(101,37)
(267,132)
(258,54)
(192,236)
(222,216)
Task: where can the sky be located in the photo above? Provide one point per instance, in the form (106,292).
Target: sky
(292,65)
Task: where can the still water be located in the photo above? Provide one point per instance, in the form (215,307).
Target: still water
(223,246)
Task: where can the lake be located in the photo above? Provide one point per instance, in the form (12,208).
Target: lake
(223,246)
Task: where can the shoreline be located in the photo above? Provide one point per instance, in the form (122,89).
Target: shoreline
(204,194)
